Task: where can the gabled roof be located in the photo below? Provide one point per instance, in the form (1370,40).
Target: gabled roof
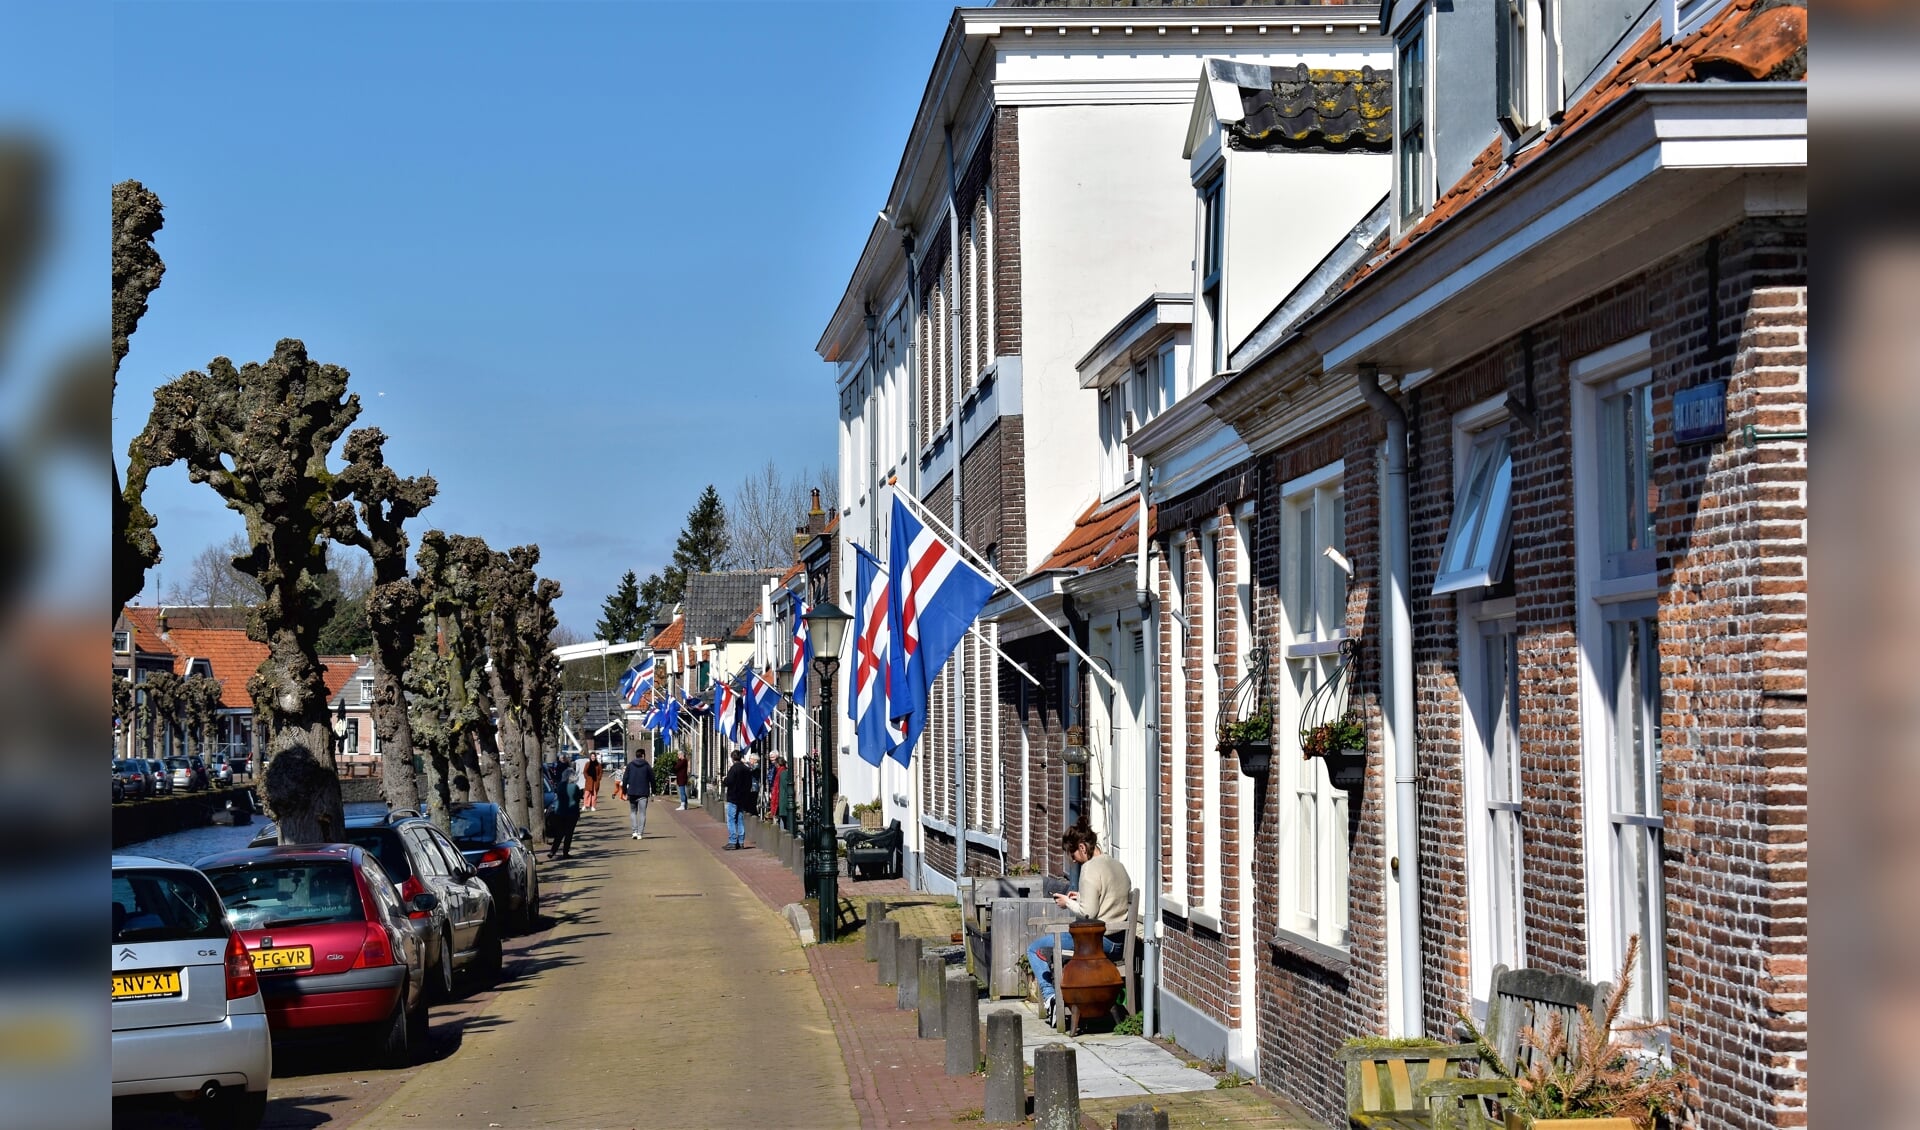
(1102,535)
(1746,41)
(745,630)
(142,625)
(715,602)
(233,657)
(670,636)
(347,672)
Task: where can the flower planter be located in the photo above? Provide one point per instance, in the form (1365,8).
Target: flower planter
(1255,758)
(1518,1121)
(1346,768)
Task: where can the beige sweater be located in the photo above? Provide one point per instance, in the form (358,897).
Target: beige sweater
(1104,887)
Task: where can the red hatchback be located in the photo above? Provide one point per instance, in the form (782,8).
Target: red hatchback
(331,942)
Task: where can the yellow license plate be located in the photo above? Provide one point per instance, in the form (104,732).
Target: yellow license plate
(146,984)
(283,957)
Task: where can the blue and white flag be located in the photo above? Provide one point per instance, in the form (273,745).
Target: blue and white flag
(763,697)
(933,600)
(802,647)
(638,680)
(867,691)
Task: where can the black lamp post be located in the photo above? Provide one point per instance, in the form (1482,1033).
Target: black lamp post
(826,630)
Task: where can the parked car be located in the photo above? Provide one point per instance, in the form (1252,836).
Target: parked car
(161,776)
(419,858)
(188,1015)
(499,851)
(187,774)
(221,771)
(336,953)
(134,776)
(119,788)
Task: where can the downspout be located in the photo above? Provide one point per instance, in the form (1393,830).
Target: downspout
(959,660)
(872,412)
(914,442)
(1150,647)
(1399,679)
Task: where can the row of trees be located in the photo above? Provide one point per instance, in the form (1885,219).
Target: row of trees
(169,707)
(462,667)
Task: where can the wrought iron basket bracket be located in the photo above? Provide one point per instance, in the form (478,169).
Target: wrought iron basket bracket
(1249,694)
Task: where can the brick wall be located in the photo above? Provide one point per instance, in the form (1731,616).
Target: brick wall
(1006,231)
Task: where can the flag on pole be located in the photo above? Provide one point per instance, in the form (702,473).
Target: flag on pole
(637,681)
(934,599)
(802,647)
(762,698)
(874,734)
(726,712)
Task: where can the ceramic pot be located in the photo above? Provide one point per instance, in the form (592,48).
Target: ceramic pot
(1091,981)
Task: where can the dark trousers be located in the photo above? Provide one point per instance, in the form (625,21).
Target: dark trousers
(563,824)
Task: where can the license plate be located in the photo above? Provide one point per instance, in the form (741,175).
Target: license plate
(283,957)
(146,984)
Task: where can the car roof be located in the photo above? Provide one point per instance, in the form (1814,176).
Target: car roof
(148,862)
(295,853)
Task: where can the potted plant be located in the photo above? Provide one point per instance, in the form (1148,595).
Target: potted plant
(1343,743)
(1250,740)
(1589,1078)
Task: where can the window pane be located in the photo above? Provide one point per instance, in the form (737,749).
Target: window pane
(1504,835)
(1337,893)
(1493,518)
(1309,862)
(1632,718)
(1169,375)
(1303,618)
(1639,910)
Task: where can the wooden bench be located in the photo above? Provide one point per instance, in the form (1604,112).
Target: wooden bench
(1387,1088)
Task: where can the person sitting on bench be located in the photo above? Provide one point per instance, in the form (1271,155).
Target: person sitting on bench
(1104,886)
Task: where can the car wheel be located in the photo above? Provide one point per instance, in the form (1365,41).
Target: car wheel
(235,1110)
(440,977)
(396,1036)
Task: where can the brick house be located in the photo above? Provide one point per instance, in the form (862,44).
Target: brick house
(1552,417)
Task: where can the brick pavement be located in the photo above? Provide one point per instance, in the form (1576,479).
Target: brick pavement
(897,1078)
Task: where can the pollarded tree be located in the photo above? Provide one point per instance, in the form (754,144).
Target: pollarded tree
(476,562)
(137,268)
(542,682)
(386,501)
(431,703)
(199,708)
(160,696)
(512,628)
(259,435)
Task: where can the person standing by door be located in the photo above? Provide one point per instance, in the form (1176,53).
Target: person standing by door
(637,783)
(739,788)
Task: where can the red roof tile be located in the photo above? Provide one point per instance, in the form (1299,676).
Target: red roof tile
(143,622)
(338,671)
(1101,536)
(670,636)
(1743,41)
(233,657)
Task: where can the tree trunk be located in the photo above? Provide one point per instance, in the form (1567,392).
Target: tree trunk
(302,791)
(530,756)
(439,774)
(395,732)
(487,749)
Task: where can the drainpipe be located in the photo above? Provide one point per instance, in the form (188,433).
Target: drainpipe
(958,662)
(1399,678)
(1150,647)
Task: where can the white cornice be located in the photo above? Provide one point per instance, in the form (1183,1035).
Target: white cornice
(1143,328)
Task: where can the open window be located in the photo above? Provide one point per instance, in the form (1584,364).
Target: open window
(1476,551)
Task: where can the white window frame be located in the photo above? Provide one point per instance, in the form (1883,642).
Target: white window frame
(1211,260)
(1313,866)
(1521,38)
(1412,199)
(1470,559)
(366,690)
(1174,890)
(123,643)
(1605,597)
(1490,731)
(1210,694)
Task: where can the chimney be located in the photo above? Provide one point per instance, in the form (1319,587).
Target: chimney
(160,617)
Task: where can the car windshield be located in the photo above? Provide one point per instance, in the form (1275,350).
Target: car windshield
(473,826)
(163,905)
(288,893)
(386,847)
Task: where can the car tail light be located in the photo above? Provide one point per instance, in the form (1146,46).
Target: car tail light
(492,857)
(408,889)
(377,949)
(241,981)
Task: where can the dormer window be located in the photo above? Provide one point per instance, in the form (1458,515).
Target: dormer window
(366,692)
(1520,65)
(1410,112)
(1213,228)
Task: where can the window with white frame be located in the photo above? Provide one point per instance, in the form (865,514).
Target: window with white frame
(350,741)
(1213,246)
(1410,115)
(1490,678)
(366,691)
(1476,551)
(1616,496)
(1313,825)
(123,643)
(1520,64)
(1214,672)
(1115,460)
(1180,803)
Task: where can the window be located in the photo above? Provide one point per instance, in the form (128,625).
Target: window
(1213,223)
(1628,496)
(1491,682)
(1181,798)
(1314,817)
(350,741)
(1211,688)
(1519,64)
(123,643)
(1476,549)
(366,692)
(1411,109)
(1633,692)
(1116,464)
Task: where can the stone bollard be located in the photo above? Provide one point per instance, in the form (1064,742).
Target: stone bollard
(1006,1088)
(933,972)
(1141,1116)
(961,1018)
(1056,1087)
(876,914)
(906,967)
(886,949)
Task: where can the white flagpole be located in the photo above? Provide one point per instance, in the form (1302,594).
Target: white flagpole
(980,560)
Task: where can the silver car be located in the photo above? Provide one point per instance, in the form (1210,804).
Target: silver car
(188,1018)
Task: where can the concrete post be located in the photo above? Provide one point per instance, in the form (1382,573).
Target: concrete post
(906,967)
(962,1021)
(876,913)
(1006,1089)
(1141,1116)
(886,948)
(1056,1087)
(933,973)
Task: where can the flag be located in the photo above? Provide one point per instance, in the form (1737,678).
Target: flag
(933,601)
(638,680)
(728,715)
(669,712)
(802,648)
(700,707)
(762,698)
(867,692)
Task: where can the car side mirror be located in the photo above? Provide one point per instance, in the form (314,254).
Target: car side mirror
(424,901)
(525,835)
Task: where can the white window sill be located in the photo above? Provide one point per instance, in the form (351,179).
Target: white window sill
(1170,904)
(1206,920)
(1333,959)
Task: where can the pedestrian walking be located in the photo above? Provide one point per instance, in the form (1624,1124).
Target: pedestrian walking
(680,780)
(590,784)
(738,784)
(566,814)
(637,783)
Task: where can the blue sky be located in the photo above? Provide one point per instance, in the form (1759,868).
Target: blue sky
(576,256)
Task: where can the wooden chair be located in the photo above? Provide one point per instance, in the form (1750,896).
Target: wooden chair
(1389,1088)
(1069,1020)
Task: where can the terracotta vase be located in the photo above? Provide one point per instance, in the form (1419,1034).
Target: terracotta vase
(1091,981)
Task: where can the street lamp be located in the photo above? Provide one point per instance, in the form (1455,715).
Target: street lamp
(826,630)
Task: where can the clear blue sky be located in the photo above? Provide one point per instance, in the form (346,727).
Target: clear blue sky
(576,256)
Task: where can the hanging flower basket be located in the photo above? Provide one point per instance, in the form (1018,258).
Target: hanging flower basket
(1343,744)
(1250,740)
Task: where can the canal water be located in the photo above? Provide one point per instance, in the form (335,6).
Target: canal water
(192,844)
